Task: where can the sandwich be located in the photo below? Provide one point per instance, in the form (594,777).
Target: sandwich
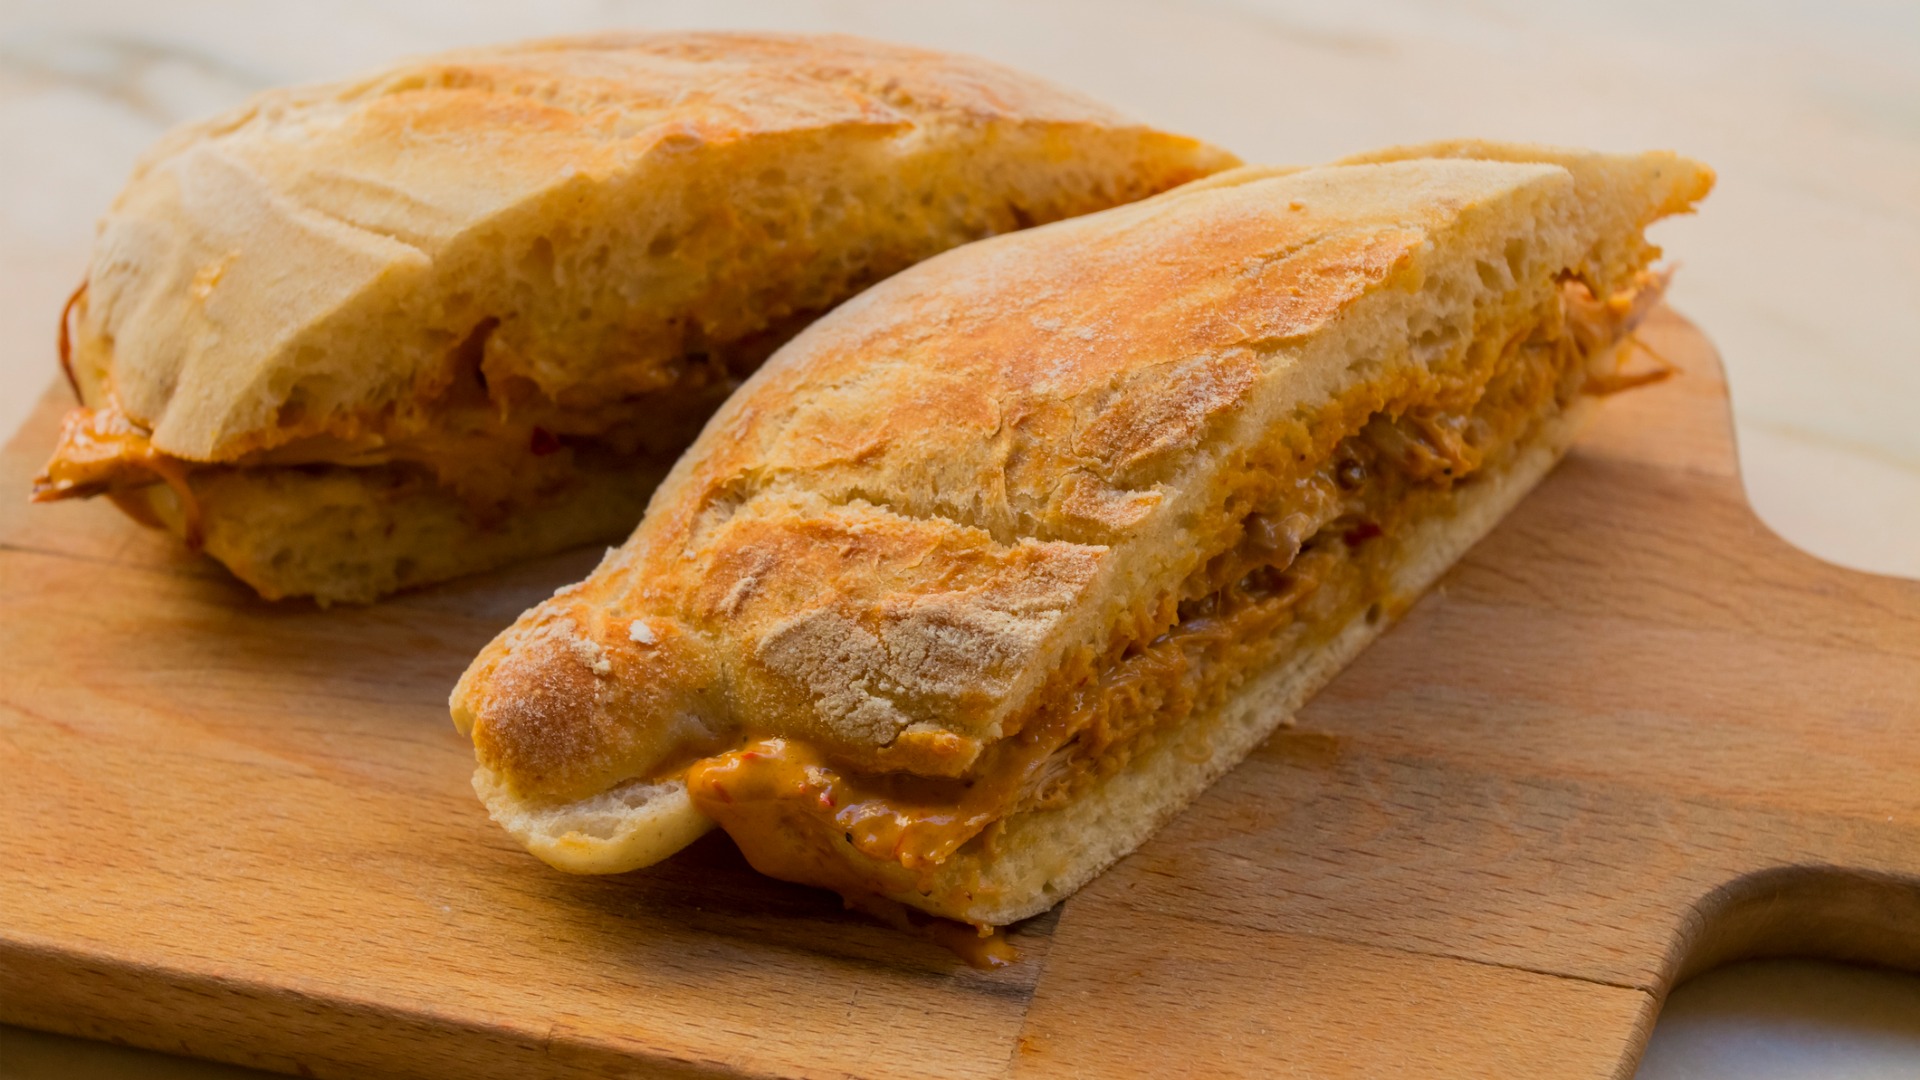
(363,336)
(988,573)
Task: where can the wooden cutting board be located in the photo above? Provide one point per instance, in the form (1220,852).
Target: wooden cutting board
(1633,734)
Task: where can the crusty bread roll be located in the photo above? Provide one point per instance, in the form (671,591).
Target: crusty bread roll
(988,573)
(377,333)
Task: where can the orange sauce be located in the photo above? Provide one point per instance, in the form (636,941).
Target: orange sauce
(103,451)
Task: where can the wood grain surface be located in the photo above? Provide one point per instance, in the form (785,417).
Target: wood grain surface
(1631,735)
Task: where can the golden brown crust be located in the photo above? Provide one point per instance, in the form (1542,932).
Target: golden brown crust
(1008,389)
(552,695)
(881,636)
(306,262)
(1032,435)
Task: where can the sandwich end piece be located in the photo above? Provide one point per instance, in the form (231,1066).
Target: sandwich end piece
(561,766)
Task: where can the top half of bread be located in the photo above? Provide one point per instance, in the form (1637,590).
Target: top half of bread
(892,535)
(588,212)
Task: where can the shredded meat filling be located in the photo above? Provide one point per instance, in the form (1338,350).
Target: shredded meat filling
(490,442)
(1313,552)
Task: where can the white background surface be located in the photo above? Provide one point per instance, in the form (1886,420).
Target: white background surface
(1804,268)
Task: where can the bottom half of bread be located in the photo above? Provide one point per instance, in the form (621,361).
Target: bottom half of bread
(351,535)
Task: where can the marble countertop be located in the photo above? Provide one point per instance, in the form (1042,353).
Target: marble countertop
(1804,267)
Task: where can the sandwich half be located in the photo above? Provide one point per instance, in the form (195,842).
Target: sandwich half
(987,574)
(362,336)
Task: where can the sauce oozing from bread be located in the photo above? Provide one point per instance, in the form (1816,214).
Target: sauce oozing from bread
(496,446)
